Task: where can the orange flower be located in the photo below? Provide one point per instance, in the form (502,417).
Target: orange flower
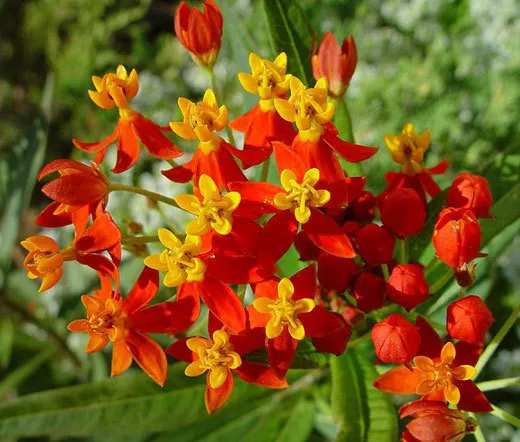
(214,155)
(200,32)
(45,259)
(116,89)
(263,124)
(336,63)
(76,193)
(126,323)
(317,138)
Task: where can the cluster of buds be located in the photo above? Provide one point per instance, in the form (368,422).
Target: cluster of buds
(353,242)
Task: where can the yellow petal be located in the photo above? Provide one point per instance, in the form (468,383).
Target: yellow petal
(322,84)
(263,305)
(281,61)
(248,82)
(312,176)
(426,387)
(197,344)
(198,226)
(194,369)
(326,115)
(281,201)
(452,394)
(154,262)
(223,228)
(220,337)
(217,376)
(234,200)
(285,288)
(168,239)
(98,82)
(220,122)
(286,110)
(322,198)
(132,86)
(237,360)
(295,84)
(101,100)
(464,372)
(255,62)
(297,332)
(288,178)
(209,98)
(189,203)
(184,105)
(193,243)
(183,130)
(273,329)
(302,216)
(448,353)
(121,72)
(424,363)
(208,188)
(305,305)
(175,277)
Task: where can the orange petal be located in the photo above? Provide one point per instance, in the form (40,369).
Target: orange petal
(216,397)
(149,355)
(399,380)
(121,358)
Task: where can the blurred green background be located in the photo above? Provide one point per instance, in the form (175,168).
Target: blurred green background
(451,66)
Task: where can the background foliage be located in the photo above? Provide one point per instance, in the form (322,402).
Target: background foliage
(452,66)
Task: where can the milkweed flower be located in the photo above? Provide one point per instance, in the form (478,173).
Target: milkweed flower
(45,259)
(369,291)
(375,244)
(408,149)
(127,322)
(115,90)
(200,32)
(77,193)
(407,286)
(433,421)
(263,124)
(317,138)
(469,319)
(336,63)
(440,372)
(403,212)
(470,192)
(296,202)
(221,356)
(214,156)
(286,309)
(396,340)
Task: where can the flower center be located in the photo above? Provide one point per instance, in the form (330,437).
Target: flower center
(300,197)
(181,260)
(110,320)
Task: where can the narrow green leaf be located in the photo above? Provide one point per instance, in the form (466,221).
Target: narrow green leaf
(299,425)
(362,412)
(6,340)
(20,374)
(290,32)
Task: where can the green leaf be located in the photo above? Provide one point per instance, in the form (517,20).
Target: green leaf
(20,374)
(6,339)
(299,425)
(290,32)
(363,413)
(22,167)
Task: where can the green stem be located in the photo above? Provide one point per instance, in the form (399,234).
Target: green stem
(478,434)
(429,267)
(363,338)
(386,273)
(135,240)
(498,384)
(505,416)
(265,170)
(218,96)
(439,284)
(152,195)
(402,251)
(462,292)
(172,163)
(495,342)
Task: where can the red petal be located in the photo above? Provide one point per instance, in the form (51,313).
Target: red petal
(97,146)
(127,147)
(107,270)
(336,273)
(149,355)
(166,317)
(471,398)
(343,192)
(243,239)
(353,153)
(181,174)
(47,218)
(319,154)
(305,283)
(155,141)
(335,342)
(121,358)
(278,235)
(267,289)
(242,123)
(238,269)
(216,397)
(180,351)
(286,158)
(102,234)
(440,168)
(259,195)
(223,303)
(431,187)
(248,157)
(399,380)
(281,352)
(188,291)
(76,189)
(320,322)
(260,375)
(431,343)
(328,236)
(142,292)
(467,354)
(59,165)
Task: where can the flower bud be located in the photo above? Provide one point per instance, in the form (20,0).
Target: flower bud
(395,339)
(375,244)
(470,192)
(469,319)
(369,291)
(407,286)
(337,64)
(434,421)
(363,207)
(403,212)
(456,237)
(336,273)
(200,32)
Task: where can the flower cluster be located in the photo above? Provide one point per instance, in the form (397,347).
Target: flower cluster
(354,244)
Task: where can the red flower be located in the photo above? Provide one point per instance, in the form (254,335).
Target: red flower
(395,339)
(297,202)
(470,192)
(457,237)
(263,124)
(288,312)
(335,63)
(45,259)
(433,421)
(403,212)
(407,286)
(336,273)
(375,244)
(369,291)
(127,322)
(200,32)
(219,357)
(77,192)
(439,373)
(469,319)
(115,89)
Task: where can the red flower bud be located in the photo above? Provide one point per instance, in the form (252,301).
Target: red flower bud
(336,273)
(337,64)
(395,339)
(375,244)
(403,212)
(363,207)
(407,286)
(200,32)
(469,319)
(369,291)
(456,237)
(434,421)
(470,192)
